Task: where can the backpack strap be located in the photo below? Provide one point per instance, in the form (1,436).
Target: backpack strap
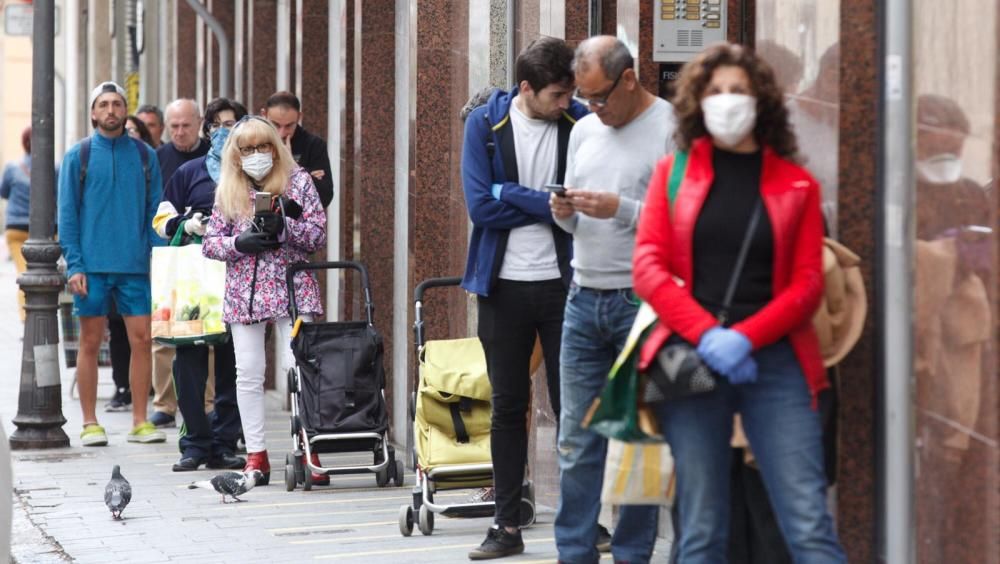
(84,160)
(678,169)
(144,155)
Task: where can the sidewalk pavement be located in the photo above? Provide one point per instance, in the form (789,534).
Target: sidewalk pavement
(59,512)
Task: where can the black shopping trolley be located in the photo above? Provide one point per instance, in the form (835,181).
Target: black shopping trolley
(337,392)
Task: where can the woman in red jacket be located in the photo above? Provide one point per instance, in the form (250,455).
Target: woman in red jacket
(734,129)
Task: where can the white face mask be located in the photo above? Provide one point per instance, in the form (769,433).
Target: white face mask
(729,117)
(945,168)
(257,165)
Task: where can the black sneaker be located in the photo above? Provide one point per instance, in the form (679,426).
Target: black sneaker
(226,461)
(603,543)
(187,464)
(162,420)
(121,401)
(498,543)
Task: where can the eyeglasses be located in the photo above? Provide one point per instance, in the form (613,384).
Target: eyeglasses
(262,148)
(601,102)
(228,124)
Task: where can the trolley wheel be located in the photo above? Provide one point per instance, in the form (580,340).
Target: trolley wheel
(291,381)
(307,482)
(300,477)
(382,476)
(426,520)
(528,491)
(398,474)
(289,478)
(405,520)
(527,516)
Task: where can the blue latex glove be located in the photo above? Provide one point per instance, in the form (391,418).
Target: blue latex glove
(495,190)
(744,373)
(723,349)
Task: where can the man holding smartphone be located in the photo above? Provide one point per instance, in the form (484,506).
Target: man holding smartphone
(518,263)
(611,155)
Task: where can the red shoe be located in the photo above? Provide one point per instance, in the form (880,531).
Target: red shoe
(318,479)
(259,461)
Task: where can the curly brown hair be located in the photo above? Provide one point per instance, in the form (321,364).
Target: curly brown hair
(772,127)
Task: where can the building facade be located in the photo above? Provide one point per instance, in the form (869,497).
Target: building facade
(383,81)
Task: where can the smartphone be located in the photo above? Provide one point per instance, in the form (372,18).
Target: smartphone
(557,189)
(261,202)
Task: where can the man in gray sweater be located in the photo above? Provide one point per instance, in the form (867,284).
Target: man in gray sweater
(610,158)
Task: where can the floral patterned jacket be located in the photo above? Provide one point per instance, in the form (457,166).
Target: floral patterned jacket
(255,284)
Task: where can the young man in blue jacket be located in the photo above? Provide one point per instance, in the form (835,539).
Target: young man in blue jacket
(518,263)
(108,193)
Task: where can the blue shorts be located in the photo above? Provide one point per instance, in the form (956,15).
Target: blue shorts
(131,293)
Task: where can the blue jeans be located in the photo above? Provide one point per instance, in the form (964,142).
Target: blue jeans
(595,326)
(786,438)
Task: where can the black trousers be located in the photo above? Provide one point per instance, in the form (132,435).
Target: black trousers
(509,319)
(201,436)
(121,352)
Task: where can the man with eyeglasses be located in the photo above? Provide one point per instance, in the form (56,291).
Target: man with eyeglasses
(284,112)
(612,153)
(518,262)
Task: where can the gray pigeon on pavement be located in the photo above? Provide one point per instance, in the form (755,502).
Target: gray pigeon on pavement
(117,493)
(231,484)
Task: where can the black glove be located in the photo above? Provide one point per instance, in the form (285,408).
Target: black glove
(252,242)
(292,208)
(269,222)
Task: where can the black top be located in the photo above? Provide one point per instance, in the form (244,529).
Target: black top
(310,153)
(719,232)
(171,159)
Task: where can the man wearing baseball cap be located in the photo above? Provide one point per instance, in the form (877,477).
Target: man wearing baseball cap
(109,188)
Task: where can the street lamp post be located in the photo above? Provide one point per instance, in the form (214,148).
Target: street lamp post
(39,417)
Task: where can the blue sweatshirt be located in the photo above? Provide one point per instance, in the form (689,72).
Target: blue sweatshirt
(15,187)
(110,229)
(518,205)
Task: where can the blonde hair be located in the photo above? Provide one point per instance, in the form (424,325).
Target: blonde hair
(233,193)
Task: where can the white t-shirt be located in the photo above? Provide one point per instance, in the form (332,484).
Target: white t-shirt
(531,250)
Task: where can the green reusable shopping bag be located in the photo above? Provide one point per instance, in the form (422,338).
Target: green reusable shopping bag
(618,413)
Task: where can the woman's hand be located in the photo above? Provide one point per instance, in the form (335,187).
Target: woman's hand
(723,350)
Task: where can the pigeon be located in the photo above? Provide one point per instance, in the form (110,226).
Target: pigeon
(117,493)
(231,484)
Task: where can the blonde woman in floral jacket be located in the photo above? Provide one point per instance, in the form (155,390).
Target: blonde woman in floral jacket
(257,249)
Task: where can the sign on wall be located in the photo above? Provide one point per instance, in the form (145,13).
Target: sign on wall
(18,20)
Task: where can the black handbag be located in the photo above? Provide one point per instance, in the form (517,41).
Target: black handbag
(678,371)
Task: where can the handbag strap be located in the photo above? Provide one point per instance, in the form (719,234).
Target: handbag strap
(740,261)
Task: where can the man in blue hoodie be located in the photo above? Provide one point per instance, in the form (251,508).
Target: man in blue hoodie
(518,263)
(106,204)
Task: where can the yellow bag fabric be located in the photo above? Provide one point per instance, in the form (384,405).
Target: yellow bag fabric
(451,370)
(638,474)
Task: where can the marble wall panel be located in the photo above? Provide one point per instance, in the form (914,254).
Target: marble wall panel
(609,17)
(186,51)
(374,159)
(315,27)
(577,21)
(856,220)
(263,49)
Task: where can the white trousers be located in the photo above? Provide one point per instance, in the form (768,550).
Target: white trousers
(248,342)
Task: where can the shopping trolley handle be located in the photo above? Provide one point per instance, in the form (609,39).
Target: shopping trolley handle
(418,293)
(297,267)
